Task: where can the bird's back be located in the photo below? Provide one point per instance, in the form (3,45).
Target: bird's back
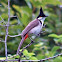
(30,26)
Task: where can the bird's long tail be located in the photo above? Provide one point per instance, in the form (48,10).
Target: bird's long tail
(21,42)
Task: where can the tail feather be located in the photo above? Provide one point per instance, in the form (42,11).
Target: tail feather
(26,36)
(21,42)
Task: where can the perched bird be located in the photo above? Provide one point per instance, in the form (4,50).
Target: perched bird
(34,27)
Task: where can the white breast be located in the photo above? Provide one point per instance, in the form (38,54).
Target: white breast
(36,30)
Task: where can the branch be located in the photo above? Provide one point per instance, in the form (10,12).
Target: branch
(10,60)
(35,60)
(51,57)
(7,25)
(14,35)
(7,29)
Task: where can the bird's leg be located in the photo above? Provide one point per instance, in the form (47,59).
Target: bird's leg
(32,41)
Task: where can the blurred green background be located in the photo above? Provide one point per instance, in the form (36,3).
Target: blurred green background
(47,44)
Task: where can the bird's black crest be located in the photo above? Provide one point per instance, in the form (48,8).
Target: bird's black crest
(41,14)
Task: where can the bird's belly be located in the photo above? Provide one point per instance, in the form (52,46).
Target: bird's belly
(36,30)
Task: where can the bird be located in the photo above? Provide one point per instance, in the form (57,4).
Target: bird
(34,27)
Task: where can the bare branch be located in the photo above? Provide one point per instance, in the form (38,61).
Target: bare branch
(35,60)
(7,25)
(14,35)
(7,28)
(10,60)
(18,60)
(51,57)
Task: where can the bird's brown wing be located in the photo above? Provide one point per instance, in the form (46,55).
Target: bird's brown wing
(31,25)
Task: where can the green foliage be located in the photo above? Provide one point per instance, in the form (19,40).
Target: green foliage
(47,44)
(29,56)
(57,38)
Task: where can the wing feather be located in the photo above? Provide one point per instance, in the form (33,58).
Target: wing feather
(31,25)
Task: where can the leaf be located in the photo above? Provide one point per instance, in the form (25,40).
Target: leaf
(31,54)
(1,58)
(58,59)
(25,52)
(55,39)
(16,56)
(33,58)
(53,35)
(59,40)
(40,56)
(36,3)
(60,36)
(54,49)
(38,45)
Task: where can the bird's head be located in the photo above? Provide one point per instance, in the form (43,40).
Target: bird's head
(41,15)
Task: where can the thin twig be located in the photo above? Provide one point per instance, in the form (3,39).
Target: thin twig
(51,57)
(14,35)
(7,25)
(12,56)
(7,29)
(6,43)
(20,60)
(10,60)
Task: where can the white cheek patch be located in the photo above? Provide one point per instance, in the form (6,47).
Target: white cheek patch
(40,18)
